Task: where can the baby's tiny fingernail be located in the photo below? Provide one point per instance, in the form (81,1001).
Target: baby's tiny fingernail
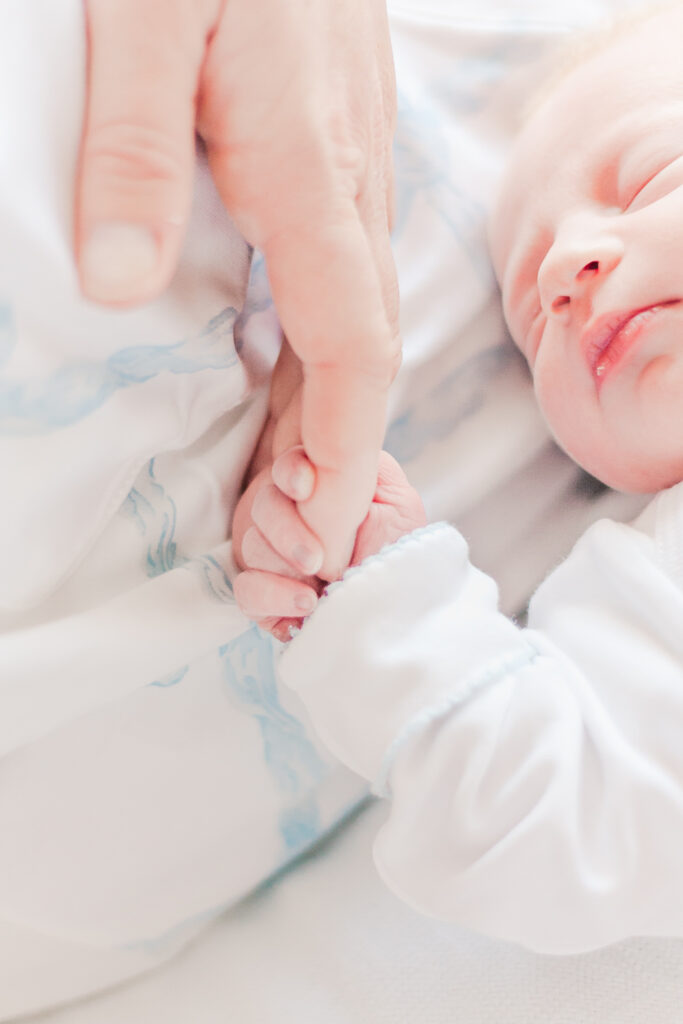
(308,560)
(303,481)
(305,602)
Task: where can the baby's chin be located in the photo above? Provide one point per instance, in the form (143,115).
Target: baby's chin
(635,476)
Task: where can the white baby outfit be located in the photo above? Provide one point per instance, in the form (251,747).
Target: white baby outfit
(535,775)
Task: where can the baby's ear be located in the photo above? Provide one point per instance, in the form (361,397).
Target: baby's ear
(294,474)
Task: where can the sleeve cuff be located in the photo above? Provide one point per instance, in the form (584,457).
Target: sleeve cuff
(405,633)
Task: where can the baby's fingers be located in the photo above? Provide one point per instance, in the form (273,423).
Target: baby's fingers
(283,528)
(294,474)
(258,554)
(265,595)
(393,488)
(282,629)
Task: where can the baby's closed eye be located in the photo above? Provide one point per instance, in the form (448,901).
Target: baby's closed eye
(653,186)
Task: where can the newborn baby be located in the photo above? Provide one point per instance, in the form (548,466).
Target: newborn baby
(588,247)
(535,775)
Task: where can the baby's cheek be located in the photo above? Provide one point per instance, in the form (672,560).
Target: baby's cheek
(551,390)
(566,409)
(578,424)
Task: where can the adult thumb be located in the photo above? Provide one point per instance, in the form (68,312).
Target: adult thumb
(137,156)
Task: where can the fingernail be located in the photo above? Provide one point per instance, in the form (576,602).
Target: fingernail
(308,560)
(117,260)
(303,481)
(305,602)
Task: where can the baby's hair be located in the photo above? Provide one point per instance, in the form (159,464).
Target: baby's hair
(587,44)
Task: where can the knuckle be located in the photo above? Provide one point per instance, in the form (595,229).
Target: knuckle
(251,546)
(351,162)
(253,594)
(340,145)
(126,152)
(263,505)
(352,159)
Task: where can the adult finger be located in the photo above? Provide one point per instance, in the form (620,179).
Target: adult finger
(297,199)
(137,156)
(331,304)
(376,196)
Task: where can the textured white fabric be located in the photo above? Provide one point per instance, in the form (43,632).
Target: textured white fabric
(535,775)
(150,772)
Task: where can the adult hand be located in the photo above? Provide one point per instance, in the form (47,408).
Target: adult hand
(295,103)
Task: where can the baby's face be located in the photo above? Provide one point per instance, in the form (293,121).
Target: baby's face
(588,246)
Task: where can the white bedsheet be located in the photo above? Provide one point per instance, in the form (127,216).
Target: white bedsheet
(330,945)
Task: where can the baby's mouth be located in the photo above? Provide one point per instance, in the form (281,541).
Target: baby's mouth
(606,342)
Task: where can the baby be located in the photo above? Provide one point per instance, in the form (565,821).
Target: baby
(535,775)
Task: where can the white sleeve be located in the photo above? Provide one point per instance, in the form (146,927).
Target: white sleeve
(535,775)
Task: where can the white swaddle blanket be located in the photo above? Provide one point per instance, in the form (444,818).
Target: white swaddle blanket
(151,772)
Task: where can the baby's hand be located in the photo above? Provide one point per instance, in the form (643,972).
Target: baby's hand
(273,544)
(396,509)
(279,587)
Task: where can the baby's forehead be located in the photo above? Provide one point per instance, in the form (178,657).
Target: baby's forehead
(589,111)
(594,43)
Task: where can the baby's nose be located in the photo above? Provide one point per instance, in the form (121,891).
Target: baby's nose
(569,287)
(575,266)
